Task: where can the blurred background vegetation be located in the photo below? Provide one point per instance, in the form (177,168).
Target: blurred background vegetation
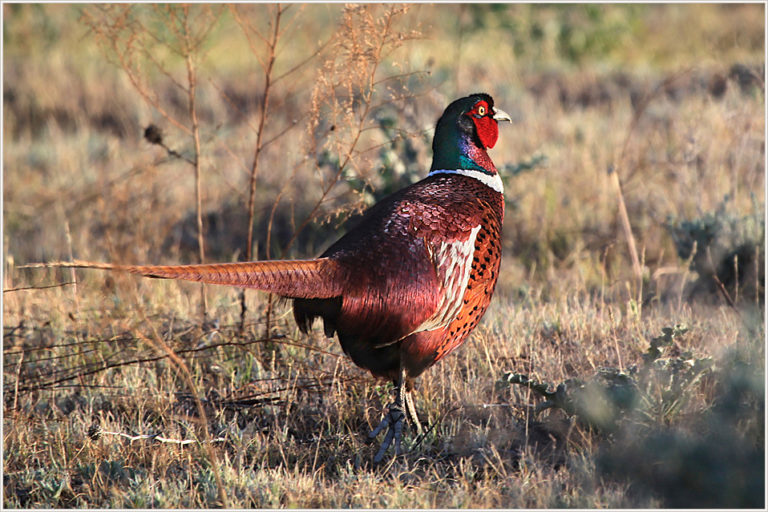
(635,187)
(664,95)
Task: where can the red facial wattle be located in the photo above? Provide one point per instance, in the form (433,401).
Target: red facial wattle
(486,126)
(487,130)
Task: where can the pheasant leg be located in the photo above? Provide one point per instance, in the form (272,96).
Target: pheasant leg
(410,411)
(397,412)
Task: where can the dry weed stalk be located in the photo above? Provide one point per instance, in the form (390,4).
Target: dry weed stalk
(264,47)
(344,95)
(639,109)
(142,47)
(267,63)
(346,92)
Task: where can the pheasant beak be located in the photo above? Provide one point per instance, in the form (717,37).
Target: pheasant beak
(500,115)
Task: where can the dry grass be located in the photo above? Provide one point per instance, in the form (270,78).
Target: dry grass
(293,413)
(279,419)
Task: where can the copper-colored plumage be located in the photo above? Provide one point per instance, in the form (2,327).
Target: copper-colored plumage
(407,285)
(318,278)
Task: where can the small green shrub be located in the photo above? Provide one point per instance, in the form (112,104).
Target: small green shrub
(725,248)
(715,460)
(654,390)
(711,459)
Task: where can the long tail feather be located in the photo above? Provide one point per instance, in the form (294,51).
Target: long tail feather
(319,278)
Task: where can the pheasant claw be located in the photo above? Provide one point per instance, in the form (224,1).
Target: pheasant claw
(393,420)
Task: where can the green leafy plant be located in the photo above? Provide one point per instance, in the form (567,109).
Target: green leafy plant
(726,250)
(655,389)
(714,459)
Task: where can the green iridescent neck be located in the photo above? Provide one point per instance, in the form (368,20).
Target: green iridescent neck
(456,150)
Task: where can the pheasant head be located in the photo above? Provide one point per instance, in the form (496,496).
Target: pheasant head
(465,132)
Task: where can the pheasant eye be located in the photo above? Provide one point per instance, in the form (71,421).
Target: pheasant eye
(481,110)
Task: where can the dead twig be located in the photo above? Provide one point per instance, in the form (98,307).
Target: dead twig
(626,225)
(23,288)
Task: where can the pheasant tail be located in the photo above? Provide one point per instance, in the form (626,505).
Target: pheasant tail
(319,278)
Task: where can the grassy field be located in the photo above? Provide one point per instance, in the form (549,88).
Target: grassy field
(621,362)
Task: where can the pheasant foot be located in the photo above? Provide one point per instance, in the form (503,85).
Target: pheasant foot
(400,410)
(393,420)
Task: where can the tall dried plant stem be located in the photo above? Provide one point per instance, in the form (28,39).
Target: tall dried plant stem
(637,270)
(264,111)
(639,110)
(72,274)
(268,66)
(192,78)
(108,30)
(366,101)
(133,45)
(197,164)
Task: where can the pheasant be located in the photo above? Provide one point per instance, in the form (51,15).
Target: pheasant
(406,286)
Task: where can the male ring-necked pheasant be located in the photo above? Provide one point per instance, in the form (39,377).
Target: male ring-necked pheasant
(407,285)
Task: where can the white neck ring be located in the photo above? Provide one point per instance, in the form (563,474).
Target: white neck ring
(490,180)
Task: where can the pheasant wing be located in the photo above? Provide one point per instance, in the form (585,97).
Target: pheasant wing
(412,254)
